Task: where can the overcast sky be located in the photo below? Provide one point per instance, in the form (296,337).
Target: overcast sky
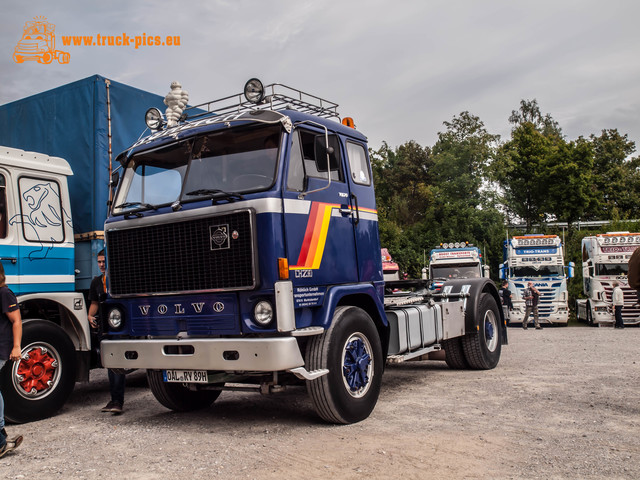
(399,68)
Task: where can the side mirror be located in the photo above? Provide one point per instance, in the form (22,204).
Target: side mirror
(571,270)
(115,178)
(501,274)
(486,271)
(321,150)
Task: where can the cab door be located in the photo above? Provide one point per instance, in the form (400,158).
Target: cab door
(9,234)
(318,225)
(365,215)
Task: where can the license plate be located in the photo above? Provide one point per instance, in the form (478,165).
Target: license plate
(185,376)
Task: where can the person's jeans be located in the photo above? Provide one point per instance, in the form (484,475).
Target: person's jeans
(618,313)
(116,386)
(2,438)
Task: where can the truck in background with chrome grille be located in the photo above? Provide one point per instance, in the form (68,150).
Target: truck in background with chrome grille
(605,260)
(243,254)
(538,259)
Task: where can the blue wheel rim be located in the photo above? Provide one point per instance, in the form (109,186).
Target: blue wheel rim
(357,365)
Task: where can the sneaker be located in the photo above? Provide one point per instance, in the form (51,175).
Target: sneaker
(108,407)
(116,408)
(524,327)
(538,327)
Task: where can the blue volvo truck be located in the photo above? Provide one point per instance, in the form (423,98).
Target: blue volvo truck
(243,253)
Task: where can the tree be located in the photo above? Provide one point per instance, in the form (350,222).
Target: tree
(616,177)
(519,170)
(569,179)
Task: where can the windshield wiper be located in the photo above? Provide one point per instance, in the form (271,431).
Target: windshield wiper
(148,206)
(211,193)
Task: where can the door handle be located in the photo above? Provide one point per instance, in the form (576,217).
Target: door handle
(355,202)
(13,260)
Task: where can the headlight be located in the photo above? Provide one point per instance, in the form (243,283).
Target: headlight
(263,313)
(115,319)
(254,91)
(153,119)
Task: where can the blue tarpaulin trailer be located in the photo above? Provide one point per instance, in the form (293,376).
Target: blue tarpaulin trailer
(88,123)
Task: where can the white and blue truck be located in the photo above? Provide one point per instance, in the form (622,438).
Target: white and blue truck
(605,260)
(52,211)
(243,254)
(538,259)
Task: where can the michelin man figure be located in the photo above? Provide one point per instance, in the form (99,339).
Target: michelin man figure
(175,101)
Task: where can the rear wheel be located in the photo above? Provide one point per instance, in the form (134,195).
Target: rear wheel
(176,396)
(482,348)
(454,354)
(40,383)
(351,350)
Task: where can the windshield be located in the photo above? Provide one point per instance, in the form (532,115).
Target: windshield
(454,271)
(612,268)
(216,164)
(538,271)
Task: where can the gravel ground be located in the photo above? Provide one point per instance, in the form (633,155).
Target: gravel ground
(562,403)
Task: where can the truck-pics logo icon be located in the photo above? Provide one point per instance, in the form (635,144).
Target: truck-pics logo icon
(38,43)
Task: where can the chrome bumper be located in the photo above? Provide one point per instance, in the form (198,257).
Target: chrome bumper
(221,354)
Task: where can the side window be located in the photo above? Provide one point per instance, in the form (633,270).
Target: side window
(295,174)
(41,208)
(358,164)
(3,207)
(315,158)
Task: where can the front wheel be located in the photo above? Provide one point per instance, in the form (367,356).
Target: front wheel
(482,348)
(40,383)
(351,350)
(178,397)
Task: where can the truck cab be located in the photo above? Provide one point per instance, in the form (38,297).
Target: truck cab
(538,259)
(456,260)
(605,259)
(37,254)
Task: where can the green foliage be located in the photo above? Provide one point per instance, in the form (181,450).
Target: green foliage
(469,186)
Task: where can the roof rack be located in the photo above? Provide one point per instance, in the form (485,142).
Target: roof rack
(277,97)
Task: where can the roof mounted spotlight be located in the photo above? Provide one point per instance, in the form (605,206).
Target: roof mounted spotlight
(254,91)
(153,119)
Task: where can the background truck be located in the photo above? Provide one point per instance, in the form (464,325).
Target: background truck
(38,43)
(456,260)
(605,259)
(243,253)
(52,227)
(538,259)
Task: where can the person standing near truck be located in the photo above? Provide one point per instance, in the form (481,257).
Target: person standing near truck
(617,298)
(116,380)
(505,296)
(10,349)
(531,296)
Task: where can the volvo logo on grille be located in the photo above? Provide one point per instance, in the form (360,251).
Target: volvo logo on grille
(219,237)
(218,307)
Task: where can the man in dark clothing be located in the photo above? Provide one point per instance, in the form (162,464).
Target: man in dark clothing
(10,349)
(507,304)
(116,380)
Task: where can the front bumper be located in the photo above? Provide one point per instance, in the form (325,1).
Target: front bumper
(219,354)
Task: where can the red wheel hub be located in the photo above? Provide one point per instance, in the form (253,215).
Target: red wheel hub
(37,368)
